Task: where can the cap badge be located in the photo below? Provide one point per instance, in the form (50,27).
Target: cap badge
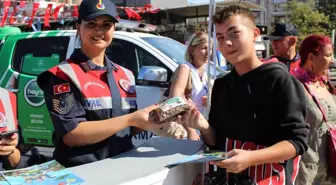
(100,5)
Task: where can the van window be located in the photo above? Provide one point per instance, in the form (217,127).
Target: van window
(42,47)
(122,53)
(132,57)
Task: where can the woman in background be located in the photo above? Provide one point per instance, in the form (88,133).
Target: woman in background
(197,57)
(316,53)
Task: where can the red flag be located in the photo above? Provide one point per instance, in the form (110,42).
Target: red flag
(22,4)
(57,9)
(11,20)
(132,14)
(35,8)
(154,11)
(62,88)
(75,11)
(47,15)
(6,10)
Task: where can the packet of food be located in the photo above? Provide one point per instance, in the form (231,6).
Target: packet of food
(169,110)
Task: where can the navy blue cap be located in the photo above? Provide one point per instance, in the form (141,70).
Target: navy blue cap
(281,30)
(90,9)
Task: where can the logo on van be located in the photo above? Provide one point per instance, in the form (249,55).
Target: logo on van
(33,94)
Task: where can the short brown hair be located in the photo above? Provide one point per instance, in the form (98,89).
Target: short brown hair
(230,11)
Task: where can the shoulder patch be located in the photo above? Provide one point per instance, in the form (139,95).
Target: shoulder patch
(127,86)
(64,104)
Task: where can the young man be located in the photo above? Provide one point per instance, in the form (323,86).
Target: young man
(284,39)
(263,105)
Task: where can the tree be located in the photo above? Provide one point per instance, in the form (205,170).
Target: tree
(307,20)
(328,7)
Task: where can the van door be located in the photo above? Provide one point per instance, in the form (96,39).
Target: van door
(31,57)
(133,57)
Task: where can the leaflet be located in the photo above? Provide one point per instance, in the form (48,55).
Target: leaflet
(47,173)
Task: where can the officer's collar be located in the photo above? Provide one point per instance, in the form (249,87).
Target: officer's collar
(296,58)
(80,58)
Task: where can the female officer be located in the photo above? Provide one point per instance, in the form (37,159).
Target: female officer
(10,156)
(89,97)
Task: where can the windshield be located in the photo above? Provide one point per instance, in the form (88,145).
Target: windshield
(173,50)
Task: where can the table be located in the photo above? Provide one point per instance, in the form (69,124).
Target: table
(145,165)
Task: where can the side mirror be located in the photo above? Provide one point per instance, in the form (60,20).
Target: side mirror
(153,73)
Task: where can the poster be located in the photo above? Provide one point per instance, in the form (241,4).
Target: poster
(33,115)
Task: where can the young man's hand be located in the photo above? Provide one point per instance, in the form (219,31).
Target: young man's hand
(238,161)
(193,119)
(8,145)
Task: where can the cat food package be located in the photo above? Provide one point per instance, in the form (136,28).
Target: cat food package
(169,110)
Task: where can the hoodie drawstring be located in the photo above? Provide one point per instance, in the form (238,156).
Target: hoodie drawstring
(250,93)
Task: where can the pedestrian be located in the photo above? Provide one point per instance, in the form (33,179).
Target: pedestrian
(284,40)
(91,100)
(317,55)
(258,110)
(195,69)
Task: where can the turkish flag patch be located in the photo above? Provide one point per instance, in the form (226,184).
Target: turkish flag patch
(62,88)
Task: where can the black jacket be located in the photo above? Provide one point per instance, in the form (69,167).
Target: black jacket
(259,109)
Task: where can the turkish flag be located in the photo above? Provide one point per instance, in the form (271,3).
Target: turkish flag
(132,14)
(11,19)
(22,4)
(75,11)
(47,15)
(35,8)
(5,14)
(57,9)
(62,88)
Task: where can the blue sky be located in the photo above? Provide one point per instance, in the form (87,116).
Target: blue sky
(200,1)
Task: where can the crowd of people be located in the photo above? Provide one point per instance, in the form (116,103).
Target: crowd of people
(271,116)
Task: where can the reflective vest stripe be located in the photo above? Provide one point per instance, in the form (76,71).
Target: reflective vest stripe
(95,95)
(7,101)
(68,70)
(106,103)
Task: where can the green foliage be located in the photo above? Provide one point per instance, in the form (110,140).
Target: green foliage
(328,8)
(308,20)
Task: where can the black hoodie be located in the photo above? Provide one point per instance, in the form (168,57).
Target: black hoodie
(259,109)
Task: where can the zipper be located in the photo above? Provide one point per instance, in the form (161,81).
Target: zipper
(250,93)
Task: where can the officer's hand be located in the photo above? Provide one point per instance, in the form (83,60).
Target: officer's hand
(141,119)
(8,145)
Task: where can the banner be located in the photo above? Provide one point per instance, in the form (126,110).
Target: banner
(5,14)
(35,8)
(47,15)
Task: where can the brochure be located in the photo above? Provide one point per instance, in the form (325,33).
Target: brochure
(47,173)
(3,180)
(204,156)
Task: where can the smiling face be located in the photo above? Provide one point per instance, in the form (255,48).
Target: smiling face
(96,34)
(236,38)
(322,60)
